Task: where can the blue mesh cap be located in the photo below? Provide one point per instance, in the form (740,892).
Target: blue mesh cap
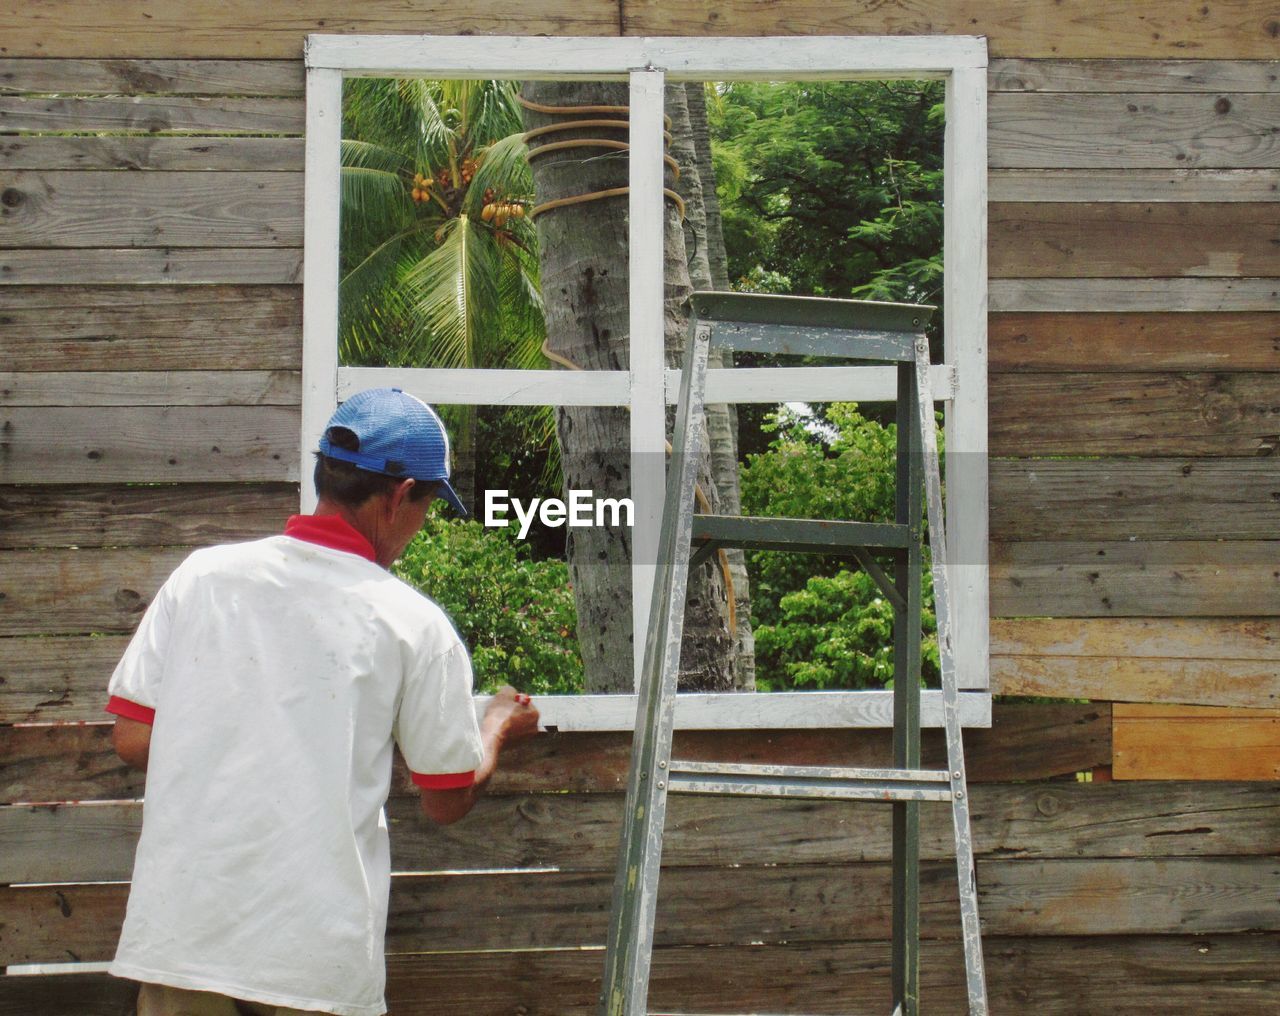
(399,435)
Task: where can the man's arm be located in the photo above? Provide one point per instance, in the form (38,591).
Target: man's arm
(132,741)
(509,718)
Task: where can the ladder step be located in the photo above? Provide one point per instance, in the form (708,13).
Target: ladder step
(814,536)
(812,782)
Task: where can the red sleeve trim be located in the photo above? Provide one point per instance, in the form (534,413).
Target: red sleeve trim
(131,710)
(443,781)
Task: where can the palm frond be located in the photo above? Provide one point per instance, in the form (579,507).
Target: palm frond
(504,167)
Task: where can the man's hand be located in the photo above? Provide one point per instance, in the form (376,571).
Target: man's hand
(510,717)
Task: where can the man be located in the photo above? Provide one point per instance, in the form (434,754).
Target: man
(263,692)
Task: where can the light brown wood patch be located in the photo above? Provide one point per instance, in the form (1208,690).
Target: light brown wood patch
(1162,742)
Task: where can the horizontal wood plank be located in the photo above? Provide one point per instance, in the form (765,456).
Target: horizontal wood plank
(151,114)
(1188,414)
(52,592)
(49,679)
(1122,499)
(1129,342)
(75,762)
(67,209)
(1160,742)
(1221,185)
(1021,28)
(736,905)
(1138,130)
(105,516)
(142,77)
(1131,579)
(1133,296)
(1205,661)
(144,266)
(579,832)
(151,388)
(1014,75)
(149,445)
(1192,975)
(120,328)
(1133,240)
(259,155)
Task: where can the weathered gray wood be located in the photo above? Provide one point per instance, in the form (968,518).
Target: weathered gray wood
(1148,579)
(579,832)
(51,592)
(152,114)
(255,154)
(1127,342)
(105,516)
(1131,240)
(1191,975)
(1244,639)
(140,77)
(1215,76)
(736,905)
(254,265)
(1133,295)
(52,679)
(149,445)
(1120,499)
(75,762)
(1148,130)
(67,209)
(1223,185)
(119,328)
(1213,414)
(151,388)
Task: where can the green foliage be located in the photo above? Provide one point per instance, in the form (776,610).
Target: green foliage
(835,186)
(516,614)
(819,622)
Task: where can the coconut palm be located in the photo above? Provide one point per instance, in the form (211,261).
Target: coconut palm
(438,258)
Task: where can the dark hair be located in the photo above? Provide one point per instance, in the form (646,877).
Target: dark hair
(347,484)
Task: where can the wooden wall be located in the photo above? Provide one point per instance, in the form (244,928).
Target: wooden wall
(150,252)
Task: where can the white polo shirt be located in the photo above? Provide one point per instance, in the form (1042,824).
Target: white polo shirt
(278,674)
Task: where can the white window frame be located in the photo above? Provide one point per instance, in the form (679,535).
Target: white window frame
(648,64)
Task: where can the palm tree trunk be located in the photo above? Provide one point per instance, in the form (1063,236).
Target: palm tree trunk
(585,284)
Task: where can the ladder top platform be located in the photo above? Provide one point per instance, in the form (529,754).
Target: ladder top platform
(811,312)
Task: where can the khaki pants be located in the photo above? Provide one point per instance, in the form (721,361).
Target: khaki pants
(161,1000)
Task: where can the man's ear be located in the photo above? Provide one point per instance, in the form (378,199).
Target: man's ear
(400,494)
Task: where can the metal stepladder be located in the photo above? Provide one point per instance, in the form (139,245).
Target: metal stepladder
(875,332)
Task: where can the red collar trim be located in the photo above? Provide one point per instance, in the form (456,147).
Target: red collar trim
(331,531)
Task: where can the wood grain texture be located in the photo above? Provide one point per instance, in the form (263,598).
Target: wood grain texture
(151,114)
(163,265)
(1132,296)
(107,516)
(1021,28)
(51,592)
(143,77)
(121,328)
(75,762)
(1192,975)
(151,388)
(1215,76)
(1223,185)
(1122,499)
(1137,130)
(56,679)
(1149,579)
(1131,240)
(736,905)
(1200,414)
(579,832)
(1131,342)
(1160,742)
(271,29)
(1200,661)
(258,155)
(67,209)
(149,445)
